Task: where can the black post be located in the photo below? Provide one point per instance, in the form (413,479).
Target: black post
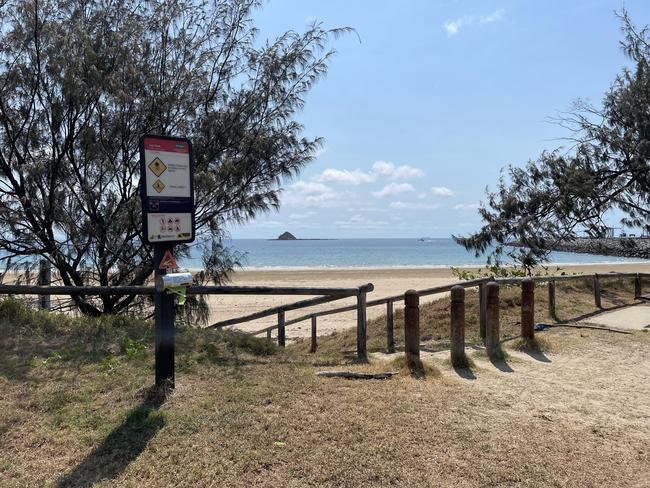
(164,323)
(44,279)
(314,337)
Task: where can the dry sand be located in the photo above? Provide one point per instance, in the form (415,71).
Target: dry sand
(387,282)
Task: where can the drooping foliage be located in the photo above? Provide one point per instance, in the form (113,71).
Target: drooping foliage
(80,81)
(564,192)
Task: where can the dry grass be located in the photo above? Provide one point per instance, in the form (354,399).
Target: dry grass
(76,411)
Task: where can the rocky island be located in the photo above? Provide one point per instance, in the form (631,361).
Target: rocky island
(286,236)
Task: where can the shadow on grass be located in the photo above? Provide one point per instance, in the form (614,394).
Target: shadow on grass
(465,373)
(122,446)
(500,363)
(537,355)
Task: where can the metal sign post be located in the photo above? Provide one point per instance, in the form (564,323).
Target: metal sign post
(167,192)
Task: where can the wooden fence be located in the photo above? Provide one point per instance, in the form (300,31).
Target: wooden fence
(333,294)
(481,283)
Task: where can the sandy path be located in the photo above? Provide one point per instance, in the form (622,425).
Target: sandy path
(387,282)
(634,318)
(595,382)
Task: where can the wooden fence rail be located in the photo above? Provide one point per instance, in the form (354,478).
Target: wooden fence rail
(6,289)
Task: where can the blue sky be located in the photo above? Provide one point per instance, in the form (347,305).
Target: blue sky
(421,115)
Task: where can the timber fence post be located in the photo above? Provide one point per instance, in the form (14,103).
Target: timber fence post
(281,331)
(412,327)
(527,308)
(44,279)
(551,300)
(390,333)
(482,294)
(637,286)
(313,334)
(268,335)
(492,326)
(597,301)
(362,352)
(457,327)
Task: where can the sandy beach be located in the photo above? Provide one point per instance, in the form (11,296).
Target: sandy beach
(387,281)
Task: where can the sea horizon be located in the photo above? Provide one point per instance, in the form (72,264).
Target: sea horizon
(374,253)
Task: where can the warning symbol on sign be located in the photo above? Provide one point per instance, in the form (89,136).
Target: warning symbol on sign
(158,186)
(157,167)
(168,261)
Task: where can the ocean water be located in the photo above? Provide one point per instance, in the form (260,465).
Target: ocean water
(370,253)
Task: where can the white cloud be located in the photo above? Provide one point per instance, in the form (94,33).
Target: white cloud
(452,27)
(360,222)
(313,194)
(268,224)
(466,206)
(413,205)
(393,189)
(355,177)
(301,216)
(442,191)
(403,172)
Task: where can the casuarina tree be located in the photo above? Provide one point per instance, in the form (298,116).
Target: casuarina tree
(605,172)
(81,81)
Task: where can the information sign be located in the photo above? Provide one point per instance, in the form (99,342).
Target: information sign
(166,184)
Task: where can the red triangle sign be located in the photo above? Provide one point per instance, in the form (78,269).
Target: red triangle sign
(168,261)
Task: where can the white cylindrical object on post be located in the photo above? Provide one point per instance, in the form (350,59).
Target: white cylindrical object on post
(173,280)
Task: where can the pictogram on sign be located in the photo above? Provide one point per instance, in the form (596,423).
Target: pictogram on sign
(157,167)
(158,186)
(168,261)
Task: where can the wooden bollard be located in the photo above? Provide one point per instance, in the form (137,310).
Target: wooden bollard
(390,334)
(362,352)
(527,308)
(313,334)
(637,286)
(281,334)
(492,325)
(551,300)
(457,328)
(268,335)
(482,308)
(412,326)
(597,301)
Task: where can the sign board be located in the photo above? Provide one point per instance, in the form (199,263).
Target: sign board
(167,190)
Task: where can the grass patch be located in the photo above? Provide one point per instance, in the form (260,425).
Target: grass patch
(417,368)
(536,344)
(462,362)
